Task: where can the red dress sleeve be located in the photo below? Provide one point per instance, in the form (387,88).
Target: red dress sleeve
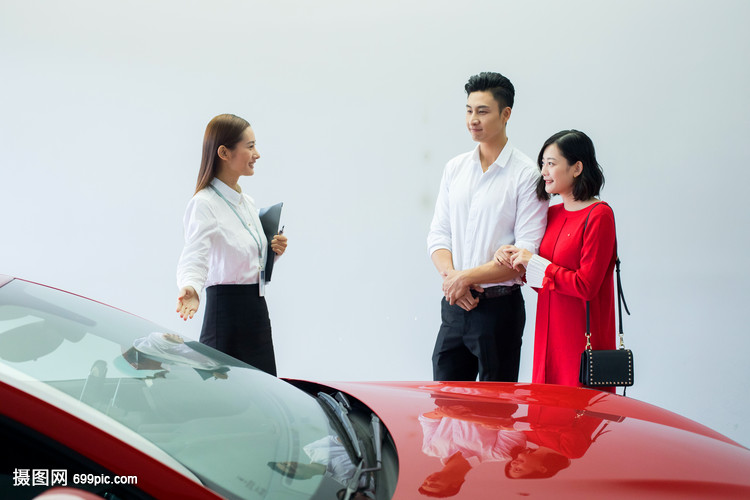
(597,253)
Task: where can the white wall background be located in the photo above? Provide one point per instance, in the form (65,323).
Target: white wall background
(357,107)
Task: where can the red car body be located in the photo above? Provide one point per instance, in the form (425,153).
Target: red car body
(458,440)
(98,445)
(618,447)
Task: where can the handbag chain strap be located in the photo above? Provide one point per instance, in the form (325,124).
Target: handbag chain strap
(620,295)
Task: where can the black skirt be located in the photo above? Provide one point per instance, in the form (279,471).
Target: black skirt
(236,322)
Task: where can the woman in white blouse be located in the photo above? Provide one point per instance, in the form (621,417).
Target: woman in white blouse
(225,249)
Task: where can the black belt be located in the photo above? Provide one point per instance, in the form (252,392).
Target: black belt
(493,292)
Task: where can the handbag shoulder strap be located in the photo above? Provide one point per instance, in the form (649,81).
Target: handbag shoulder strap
(620,294)
(586,222)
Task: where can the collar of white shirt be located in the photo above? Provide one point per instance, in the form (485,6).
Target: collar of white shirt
(228,193)
(500,161)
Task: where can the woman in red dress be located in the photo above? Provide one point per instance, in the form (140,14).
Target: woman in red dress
(574,265)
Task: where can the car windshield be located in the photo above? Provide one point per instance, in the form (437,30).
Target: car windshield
(225,421)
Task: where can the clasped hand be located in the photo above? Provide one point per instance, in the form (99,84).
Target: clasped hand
(513,257)
(457,290)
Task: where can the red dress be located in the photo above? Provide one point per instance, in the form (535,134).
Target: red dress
(581,269)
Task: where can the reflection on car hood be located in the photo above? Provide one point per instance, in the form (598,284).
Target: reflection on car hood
(463,440)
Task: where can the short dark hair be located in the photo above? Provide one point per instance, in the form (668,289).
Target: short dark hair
(501,88)
(575,146)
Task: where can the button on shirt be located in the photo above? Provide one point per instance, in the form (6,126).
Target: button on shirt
(477,212)
(218,248)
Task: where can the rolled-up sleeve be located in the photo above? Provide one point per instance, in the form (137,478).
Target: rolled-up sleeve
(200,227)
(531,214)
(440,234)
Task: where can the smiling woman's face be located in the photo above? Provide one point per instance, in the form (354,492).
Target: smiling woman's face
(559,175)
(240,160)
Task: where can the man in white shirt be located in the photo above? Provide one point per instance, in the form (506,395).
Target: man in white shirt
(487,199)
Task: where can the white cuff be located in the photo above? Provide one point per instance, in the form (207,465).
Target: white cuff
(535,271)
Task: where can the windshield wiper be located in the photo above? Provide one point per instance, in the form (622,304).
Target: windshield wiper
(377,440)
(341,413)
(340,407)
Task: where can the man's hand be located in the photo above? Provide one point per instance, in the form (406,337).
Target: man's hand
(455,286)
(468,302)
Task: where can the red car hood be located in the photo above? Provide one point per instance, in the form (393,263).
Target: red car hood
(459,439)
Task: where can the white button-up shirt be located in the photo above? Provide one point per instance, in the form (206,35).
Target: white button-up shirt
(477,212)
(218,247)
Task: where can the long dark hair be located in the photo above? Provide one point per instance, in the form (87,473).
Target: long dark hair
(223,130)
(575,146)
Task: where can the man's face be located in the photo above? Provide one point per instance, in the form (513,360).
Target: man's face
(524,464)
(484,118)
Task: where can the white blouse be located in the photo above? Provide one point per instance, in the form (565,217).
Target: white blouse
(219,249)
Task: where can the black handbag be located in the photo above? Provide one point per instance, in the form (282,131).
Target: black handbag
(607,367)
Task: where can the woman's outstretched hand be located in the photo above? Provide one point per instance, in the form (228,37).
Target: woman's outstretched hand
(187,302)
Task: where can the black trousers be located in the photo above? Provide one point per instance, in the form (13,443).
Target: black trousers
(485,341)
(236,322)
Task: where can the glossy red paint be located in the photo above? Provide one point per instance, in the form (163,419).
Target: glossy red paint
(476,438)
(604,445)
(119,458)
